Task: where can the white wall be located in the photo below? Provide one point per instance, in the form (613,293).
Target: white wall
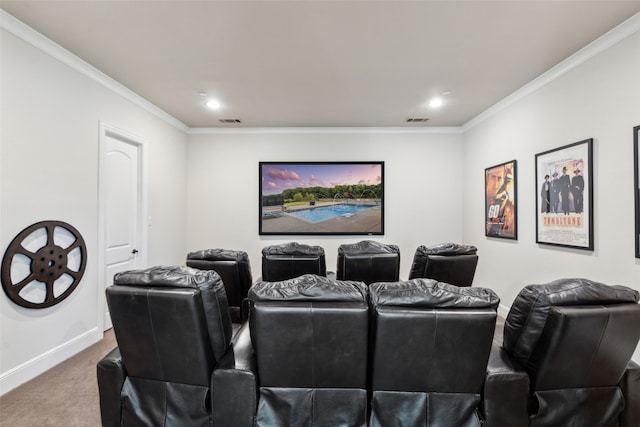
(50,116)
(599,99)
(423,186)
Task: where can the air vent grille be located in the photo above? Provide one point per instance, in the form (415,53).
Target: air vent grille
(230,121)
(417,120)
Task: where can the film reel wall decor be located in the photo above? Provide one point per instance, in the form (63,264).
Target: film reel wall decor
(43,264)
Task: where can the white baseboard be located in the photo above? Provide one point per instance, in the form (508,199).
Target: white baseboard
(36,366)
(107,321)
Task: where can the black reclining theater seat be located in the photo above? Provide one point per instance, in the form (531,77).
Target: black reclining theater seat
(310,337)
(446,262)
(173,330)
(235,270)
(290,260)
(368,261)
(565,358)
(431,344)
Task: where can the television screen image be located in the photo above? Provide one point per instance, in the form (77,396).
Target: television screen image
(311,198)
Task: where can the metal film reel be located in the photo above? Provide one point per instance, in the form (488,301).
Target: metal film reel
(49,274)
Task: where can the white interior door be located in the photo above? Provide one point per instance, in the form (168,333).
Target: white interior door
(122,209)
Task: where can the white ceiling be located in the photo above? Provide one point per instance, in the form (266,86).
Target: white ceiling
(322,63)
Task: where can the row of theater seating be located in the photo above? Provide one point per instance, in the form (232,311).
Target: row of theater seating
(317,351)
(367,261)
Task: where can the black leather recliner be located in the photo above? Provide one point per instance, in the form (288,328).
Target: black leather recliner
(447,262)
(431,343)
(173,331)
(368,261)
(235,270)
(310,337)
(290,260)
(565,358)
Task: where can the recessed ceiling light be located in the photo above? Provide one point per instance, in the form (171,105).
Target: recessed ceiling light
(436,103)
(213,104)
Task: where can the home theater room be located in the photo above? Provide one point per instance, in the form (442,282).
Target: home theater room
(303,213)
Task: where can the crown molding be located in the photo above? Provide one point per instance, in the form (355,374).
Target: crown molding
(24,32)
(325,130)
(602,43)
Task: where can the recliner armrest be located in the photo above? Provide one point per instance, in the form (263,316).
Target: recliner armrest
(630,386)
(111,375)
(234,386)
(233,397)
(245,356)
(505,391)
(244,310)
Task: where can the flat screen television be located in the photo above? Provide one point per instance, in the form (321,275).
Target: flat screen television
(321,198)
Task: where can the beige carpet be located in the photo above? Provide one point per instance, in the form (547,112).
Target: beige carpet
(66,395)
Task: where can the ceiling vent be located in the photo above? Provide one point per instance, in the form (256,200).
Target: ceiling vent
(417,120)
(232,121)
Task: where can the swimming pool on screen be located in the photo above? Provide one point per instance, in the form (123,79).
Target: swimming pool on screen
(327,212)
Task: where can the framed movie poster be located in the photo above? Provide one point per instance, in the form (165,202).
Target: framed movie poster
(564,202)
(636,171)
(500,201)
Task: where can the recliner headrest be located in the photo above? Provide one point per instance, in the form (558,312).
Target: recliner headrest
(309,287)
(218,255)
(448,249)
(168,276)
(368,247)
(432,294)
(528,315)
(292,248)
